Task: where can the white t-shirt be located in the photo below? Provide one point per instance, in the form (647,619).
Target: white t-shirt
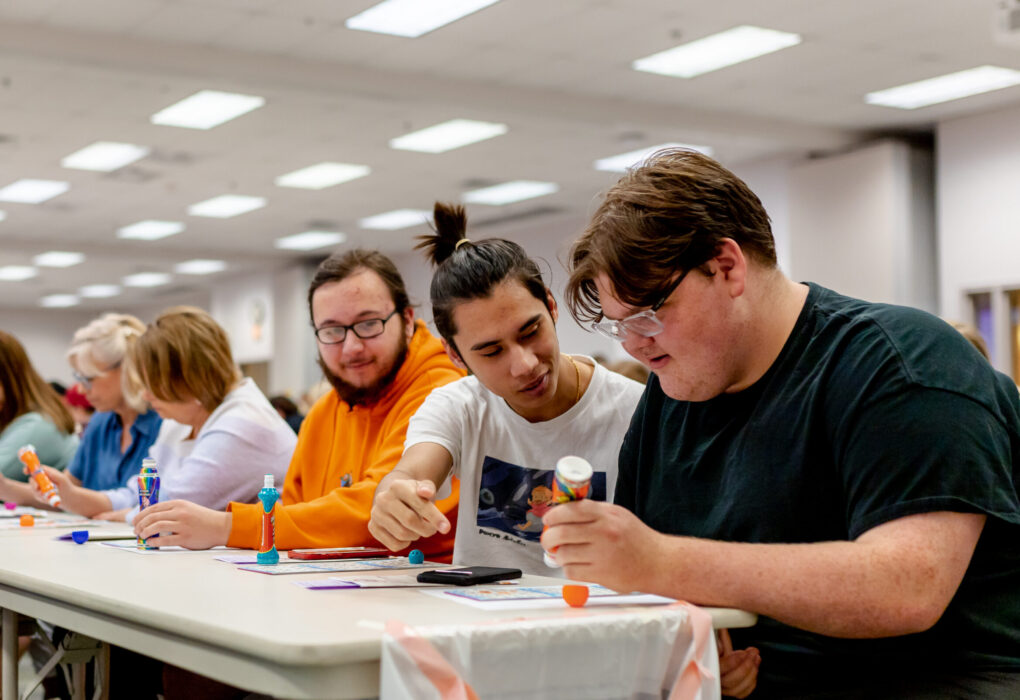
(243,439)
(506,464)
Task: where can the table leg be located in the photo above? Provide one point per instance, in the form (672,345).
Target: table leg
(9,642)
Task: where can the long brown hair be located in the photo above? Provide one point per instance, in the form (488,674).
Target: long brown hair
(24,390)
(667,215)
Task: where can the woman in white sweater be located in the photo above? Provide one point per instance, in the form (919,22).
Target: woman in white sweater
(220,435)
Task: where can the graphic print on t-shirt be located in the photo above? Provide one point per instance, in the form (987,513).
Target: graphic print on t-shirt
(513,499)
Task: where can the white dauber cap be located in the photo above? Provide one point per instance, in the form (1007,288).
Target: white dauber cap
(574,469)
(267,482)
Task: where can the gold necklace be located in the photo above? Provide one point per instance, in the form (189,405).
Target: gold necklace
(577,378)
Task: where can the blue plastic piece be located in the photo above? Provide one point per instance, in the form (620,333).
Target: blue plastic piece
(80,536)
(416,557)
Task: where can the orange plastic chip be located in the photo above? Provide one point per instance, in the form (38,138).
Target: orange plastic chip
(27,520)
(576,596)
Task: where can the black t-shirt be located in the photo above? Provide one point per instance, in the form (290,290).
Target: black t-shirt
(870,413)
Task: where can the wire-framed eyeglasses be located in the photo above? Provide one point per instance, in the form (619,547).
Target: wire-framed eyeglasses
(86,381)
(368,328)
(644,323)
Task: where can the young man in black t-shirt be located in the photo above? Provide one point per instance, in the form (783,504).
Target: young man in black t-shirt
(843,469)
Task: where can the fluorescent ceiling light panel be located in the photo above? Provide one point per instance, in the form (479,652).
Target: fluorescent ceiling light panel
(393,220)
(30,191)
(104,156)
(200,267)
(150,230)
(510,192)
(17,273)
(58,258)
(317,177)
(944,88)
(226,206)
(99,291)
(146,279)
(310,240)
(447,136)
(206,109)
(59,301)
(413,18)
(623,162)
(716,51)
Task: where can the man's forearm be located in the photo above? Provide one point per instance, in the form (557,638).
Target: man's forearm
(873,587)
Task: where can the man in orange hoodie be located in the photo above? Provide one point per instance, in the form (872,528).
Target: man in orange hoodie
(382,364)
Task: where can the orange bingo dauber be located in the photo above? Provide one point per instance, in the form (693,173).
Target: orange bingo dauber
(33,468)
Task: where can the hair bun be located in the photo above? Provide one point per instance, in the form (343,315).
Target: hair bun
(449,231)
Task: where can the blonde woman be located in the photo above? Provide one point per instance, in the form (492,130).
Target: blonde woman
(32,413)
(219,434)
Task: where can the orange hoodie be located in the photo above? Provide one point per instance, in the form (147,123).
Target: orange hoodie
(342,453)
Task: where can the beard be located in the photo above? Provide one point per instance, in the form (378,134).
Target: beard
(366,395)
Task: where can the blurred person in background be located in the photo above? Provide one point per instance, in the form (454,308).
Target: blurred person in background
(80,408)
(119,435)
(288,410)
(31,413)
(219,434)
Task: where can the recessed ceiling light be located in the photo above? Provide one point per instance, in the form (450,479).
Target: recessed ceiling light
(150,230)
(30,191)
(716,51)
(624,161)
(317,177)
(146,279)
(104,156)
(393,220)
(58,258)
(59,301)
(944,88)
(3,215)
(448,135)
(17,273)
(206,109)
(99,291)
(412,18)
(310,240)
(510,192)
(200,267)
(226,206)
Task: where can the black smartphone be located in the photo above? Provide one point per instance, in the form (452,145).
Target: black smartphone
(468,575)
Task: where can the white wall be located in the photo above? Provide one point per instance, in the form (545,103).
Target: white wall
(979,216)
(46,336)
(283,338)
(861,223)
(770,180)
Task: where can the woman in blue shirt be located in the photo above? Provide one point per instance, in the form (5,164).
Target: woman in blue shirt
(123,428)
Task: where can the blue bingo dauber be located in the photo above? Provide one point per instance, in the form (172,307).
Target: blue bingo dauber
(80,536)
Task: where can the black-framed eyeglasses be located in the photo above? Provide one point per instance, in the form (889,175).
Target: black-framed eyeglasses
(85,381)
(644,323)
(369,328)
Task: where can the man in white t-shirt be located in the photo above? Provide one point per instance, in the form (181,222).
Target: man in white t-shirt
(502,429)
